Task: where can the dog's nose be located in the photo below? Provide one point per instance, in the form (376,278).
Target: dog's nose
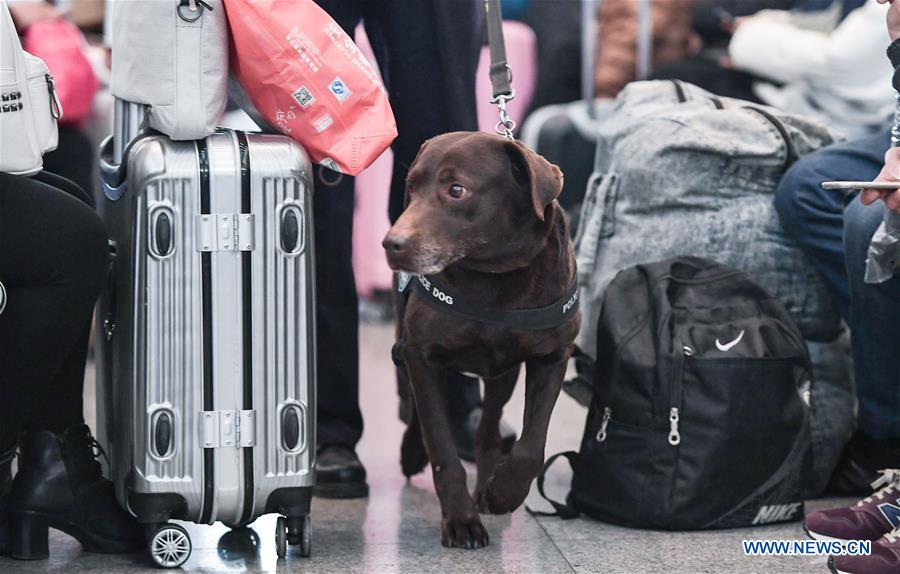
(394,243)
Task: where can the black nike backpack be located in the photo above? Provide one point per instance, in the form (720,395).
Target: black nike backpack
(699,417)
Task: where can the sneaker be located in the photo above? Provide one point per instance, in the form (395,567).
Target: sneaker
(884,559)
(870,519)
(339,473)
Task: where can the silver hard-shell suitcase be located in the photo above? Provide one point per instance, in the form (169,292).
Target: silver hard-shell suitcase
(206,343)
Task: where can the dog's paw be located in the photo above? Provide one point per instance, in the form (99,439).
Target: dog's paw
(464,532)
(413,456)
(504,492)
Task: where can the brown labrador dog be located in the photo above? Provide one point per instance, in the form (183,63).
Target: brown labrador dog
(482,218)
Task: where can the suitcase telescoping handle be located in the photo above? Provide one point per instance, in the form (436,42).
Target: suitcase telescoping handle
(128,124)
(112,174)
(588,49)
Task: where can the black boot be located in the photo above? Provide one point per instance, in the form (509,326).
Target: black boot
(6,458)
(60,484)
(339,473)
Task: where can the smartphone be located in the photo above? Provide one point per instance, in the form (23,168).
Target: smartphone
(887,185)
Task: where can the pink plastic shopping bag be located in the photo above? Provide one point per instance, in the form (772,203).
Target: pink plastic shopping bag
(308,79)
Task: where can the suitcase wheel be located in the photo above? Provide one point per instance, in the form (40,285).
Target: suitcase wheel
(170,546)
(296,531)
(306,537)
(281,537)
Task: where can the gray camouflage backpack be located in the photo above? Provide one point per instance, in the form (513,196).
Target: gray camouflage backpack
(680,171)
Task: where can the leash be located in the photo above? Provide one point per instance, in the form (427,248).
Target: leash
(500,72)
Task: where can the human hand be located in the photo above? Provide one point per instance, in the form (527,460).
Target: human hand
(893,18)
(890,172)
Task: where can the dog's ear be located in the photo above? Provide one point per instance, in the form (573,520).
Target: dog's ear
(541,177)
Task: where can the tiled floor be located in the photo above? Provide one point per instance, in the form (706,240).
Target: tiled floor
(397,528)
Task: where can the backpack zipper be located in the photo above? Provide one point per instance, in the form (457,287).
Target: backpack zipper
(607,411)
(604,422)
(674,435)
(675,389)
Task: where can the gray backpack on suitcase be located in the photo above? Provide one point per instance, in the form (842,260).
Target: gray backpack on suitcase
(206,343)
(680,171)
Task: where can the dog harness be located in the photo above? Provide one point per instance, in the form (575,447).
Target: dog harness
(437,295)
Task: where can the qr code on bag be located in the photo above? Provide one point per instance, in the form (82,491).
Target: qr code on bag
(303,96)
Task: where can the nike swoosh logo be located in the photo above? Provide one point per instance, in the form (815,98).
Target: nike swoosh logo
(729,346)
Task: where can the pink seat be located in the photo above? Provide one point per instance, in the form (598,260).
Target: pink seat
(370,219)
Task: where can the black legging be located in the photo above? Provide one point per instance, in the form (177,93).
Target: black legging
(53,257)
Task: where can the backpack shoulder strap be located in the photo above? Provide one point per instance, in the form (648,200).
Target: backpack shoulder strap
(561,510)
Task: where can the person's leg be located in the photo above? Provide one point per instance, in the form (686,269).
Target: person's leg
(428,54)
(835,238)
(429,69)
(875,328)
(339,417)
(814,217)
(64,399)
(53,258)
(53,255)
(339,474)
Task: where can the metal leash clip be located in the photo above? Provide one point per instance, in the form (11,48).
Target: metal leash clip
(506,125)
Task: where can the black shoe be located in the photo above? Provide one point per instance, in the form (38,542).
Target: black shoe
(6,458)
(464,435)
(859,464)
(60,485)
(339,473)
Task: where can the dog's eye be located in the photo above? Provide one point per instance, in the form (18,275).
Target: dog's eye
(456,191)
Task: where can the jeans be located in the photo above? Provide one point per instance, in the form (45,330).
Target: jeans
(834,229)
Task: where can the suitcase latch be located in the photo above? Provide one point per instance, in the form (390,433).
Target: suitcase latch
(225,231)
(220,429)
